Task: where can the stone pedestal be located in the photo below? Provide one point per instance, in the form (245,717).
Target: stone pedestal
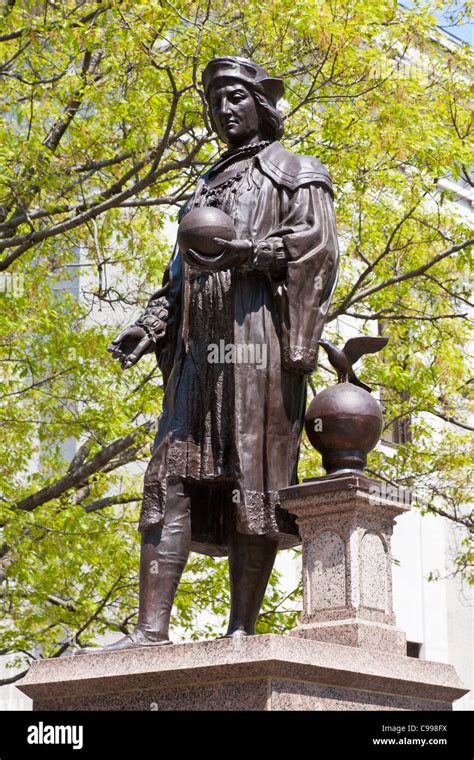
(347,653)
(346,525)
(266,672)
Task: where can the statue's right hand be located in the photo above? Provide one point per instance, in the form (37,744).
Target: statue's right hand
(130,345)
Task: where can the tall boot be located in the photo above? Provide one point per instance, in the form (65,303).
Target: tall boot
(251,560)
(164,553)
(163,559)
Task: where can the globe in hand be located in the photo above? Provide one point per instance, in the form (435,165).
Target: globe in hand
(199,228)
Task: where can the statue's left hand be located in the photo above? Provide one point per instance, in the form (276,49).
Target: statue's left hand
(235,252)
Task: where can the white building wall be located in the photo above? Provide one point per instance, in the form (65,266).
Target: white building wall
(438,613)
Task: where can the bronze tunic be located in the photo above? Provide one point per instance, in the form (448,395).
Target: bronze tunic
(232,429)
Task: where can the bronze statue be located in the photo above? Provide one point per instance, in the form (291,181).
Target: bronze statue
(236,336)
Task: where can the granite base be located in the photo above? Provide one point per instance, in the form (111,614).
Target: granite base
(266,672)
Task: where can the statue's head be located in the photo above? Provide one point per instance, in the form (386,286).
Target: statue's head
(242,100)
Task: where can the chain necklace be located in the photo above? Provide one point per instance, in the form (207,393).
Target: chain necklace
(237,154)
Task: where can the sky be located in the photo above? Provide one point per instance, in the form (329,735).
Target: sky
(464,32)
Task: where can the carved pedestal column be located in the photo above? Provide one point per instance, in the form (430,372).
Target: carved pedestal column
(346,525)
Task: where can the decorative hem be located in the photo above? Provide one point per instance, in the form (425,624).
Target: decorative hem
(257,513)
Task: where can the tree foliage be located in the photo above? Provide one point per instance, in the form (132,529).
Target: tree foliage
(103,135)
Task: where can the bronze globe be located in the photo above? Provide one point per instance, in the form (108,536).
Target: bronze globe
(343,423)
(199,228)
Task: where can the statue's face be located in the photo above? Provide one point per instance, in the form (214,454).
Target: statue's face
(234,112)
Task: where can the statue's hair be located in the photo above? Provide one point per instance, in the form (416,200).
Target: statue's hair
(269,118)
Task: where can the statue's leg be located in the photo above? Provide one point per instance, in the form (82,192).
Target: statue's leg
(163,558)
(251,560)
(164,553)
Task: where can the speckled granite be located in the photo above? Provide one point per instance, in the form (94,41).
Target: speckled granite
(289,695)
(346,525)
(266,672)
(356,633)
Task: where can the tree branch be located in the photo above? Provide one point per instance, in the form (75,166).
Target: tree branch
(58,602)
(403,277)
(75,478)
(37,383)
(370,268)
(13,679)
(84,20)
(452,420)
(28,241)
(109,501)
(414,317)
(91,61)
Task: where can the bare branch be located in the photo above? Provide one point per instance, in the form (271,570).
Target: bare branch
(80,456)
(58,602)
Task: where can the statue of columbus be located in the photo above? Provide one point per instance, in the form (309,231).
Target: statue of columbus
(229,434)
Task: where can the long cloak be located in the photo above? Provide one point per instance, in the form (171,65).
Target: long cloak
(233,430)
